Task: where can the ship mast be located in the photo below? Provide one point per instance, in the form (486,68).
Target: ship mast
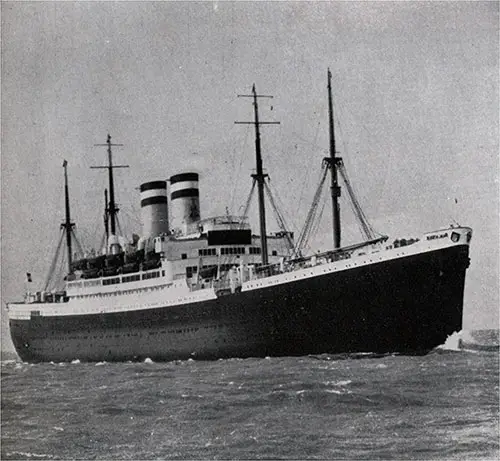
(332,162)
(112,208)
(67,225)
(259,176)
(106,217)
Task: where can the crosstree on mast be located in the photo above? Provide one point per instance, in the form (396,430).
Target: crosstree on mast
(259,176)
(112,208)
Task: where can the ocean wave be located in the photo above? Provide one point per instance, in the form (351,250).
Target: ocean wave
(341,383)
(352,356)
(452,342)
(472,341)
(27,454)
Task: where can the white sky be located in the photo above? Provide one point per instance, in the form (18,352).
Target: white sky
(416,97)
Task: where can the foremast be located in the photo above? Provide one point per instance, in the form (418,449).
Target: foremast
(67,225)
(333,162)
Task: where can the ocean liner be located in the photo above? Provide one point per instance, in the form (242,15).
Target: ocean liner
(210,288)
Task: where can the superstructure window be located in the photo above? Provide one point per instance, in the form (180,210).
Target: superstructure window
(274,253)
(150,275)
(184,256)
(111,281)
(232,251)
(254,250)
(131,278)
(207,252)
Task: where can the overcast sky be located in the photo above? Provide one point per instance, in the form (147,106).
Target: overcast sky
(415,86)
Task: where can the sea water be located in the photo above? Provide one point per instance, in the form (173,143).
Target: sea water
(443,405)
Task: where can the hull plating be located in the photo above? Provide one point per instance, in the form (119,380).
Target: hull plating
(405,305)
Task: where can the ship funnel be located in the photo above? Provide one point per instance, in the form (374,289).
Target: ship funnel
(154,208)
(184,202)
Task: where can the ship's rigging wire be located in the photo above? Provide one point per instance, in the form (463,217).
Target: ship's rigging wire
(91,238)
(280,219)
(308,170)
(306,229)
(77,242)
(103,241)
(374,143)
(131,216)
(280,207)
(317,223)
(313,219)
(57,281)
(54,262)
(238,172)
(366,227)
(119,227)
(249,200)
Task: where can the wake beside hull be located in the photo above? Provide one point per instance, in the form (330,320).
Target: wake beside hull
(404,305)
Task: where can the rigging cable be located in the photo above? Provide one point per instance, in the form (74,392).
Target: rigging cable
(282,207)
(368,230)
(54,262)
(119,227)
(237,173)
(57,281)
(280,219)
(103,243)
(79,247)
(306,181)
(315,227)
(306,230)
(249,201)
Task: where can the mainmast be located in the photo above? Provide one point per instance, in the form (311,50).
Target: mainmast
(106,216)
(67,225)
(332,163)
(112,208)
(259,176)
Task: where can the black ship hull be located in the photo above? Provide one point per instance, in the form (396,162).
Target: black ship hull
(404,305)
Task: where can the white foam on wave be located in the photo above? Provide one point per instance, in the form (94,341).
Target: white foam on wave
(75,362)
(341,383)
(452,342)
(28,454)
(98,364)
(472,341)
(148,360)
